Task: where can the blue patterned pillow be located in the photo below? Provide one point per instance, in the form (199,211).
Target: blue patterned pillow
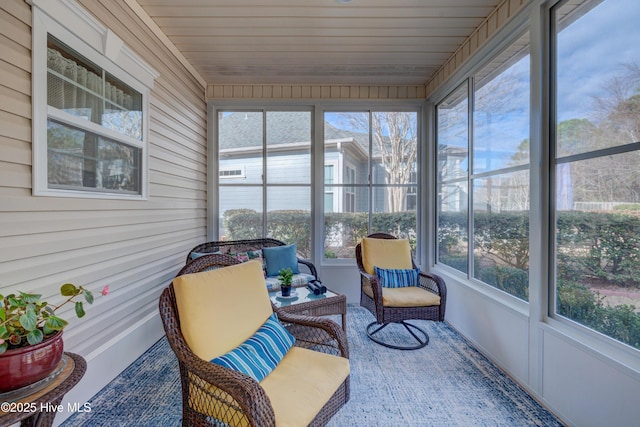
(260,354)
(397,278)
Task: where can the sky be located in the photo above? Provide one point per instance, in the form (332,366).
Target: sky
(592,50)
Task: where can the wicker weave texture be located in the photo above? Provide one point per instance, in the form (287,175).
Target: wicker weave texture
(213,395)
(429,282)
(237,246)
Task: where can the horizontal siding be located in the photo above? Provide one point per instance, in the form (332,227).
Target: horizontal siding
(496,20)
(135,247)
(217,91)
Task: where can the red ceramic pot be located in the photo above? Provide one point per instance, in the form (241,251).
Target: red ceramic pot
(23,366)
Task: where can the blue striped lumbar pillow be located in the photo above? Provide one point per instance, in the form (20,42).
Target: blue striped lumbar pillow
(260,354)
(397,278)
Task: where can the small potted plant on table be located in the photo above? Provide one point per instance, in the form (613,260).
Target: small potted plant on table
(284,277)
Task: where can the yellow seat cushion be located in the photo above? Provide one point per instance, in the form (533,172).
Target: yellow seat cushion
(302,383)
(219,309)
(385,253)
(410,296)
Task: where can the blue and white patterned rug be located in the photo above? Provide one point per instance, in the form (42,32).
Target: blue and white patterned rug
(447,383)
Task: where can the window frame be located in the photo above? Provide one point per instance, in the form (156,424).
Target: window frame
(589,336)
(467,85)
(318,109)
(371,108)
(264,185)
(98,44)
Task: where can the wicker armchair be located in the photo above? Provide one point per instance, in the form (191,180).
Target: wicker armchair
(235,246)
(213,395)
(372,298)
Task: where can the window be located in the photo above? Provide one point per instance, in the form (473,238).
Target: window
(488,117)
(411,198)
(452,121)
(350,192)
(328,188)
(89,114)
(273,197)
(594,170)
(232,173)
(378,151)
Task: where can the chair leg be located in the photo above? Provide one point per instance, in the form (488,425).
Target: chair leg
(422,341)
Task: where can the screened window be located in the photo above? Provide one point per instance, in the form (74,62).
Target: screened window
(595,167)
(488,118)
(273,198)
(379,152)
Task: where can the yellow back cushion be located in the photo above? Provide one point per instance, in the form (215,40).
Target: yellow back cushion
(385,253)
(220,309)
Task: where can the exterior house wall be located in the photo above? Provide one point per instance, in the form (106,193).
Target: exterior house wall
(135,247)
(282,167)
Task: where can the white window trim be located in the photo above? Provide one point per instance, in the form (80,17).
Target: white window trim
(87,36)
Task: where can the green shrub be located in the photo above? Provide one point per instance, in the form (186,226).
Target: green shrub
(627,207)
(511,280)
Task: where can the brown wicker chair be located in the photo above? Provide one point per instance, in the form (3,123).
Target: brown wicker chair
(209,388)
(371,297)
(235,246)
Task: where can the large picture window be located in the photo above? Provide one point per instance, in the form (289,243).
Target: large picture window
(483,163)
(595,167)
(377,157)
(272,198)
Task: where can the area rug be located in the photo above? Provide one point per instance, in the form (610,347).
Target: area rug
(447,383)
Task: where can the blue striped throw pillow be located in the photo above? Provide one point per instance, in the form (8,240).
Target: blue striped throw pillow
(396,278)
(260,354)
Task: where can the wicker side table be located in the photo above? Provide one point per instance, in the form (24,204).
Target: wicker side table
(305,302)
(40,407)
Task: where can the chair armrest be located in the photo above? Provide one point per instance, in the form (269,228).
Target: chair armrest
(207,382)
(371,280)
(317,333)
(310,266)
(434,283)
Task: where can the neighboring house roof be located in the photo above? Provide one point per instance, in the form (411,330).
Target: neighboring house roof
(243,130)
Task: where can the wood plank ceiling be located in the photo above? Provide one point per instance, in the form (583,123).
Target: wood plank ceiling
(372,42)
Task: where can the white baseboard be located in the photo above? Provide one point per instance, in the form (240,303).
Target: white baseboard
(108,361)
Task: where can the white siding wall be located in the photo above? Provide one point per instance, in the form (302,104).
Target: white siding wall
(135,247)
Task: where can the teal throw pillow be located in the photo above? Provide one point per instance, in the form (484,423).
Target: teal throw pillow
(279,257)
(260,354)
(397,278)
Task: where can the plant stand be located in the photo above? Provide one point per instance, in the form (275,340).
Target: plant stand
(40,408)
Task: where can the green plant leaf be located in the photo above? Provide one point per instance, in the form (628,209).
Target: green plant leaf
(29,319)
(79,309)
(35,336)
(55,323)
(4,333)
(3,347)
(3,314)
(88,296)
(30,298)
(68,290)
(14,302)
